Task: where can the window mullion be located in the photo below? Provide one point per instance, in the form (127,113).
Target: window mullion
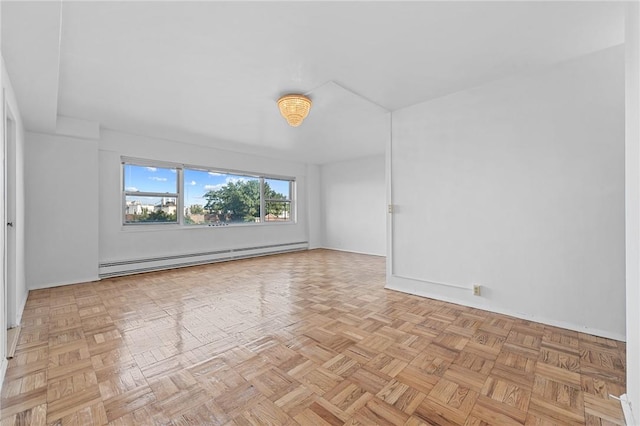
(150,194)
(263,212)
(180,198)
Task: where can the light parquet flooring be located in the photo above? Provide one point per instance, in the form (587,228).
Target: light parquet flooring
(309,338)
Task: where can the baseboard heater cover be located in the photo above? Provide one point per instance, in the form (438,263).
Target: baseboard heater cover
(138,266)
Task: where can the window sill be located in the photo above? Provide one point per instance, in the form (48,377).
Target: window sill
(177,227)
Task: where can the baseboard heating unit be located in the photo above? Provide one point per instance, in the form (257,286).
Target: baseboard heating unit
(137,266)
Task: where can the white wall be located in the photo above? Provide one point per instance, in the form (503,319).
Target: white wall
(74,204)
(16,214)
(126,243)
(315,211)
(354,205)
(632,180)
(519,186)
(3,319)
(62,210)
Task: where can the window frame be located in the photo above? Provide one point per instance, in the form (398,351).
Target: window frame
(146,163)
(288,200)
(225,172)
(180,194)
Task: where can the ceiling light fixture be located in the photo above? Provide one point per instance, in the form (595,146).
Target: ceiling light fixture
(294,108)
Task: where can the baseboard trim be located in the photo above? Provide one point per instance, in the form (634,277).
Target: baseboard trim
(3,370)
(108,269)
(398,285)
(626,409)
(13,334)
(41,286)
(21,308)
(352,251)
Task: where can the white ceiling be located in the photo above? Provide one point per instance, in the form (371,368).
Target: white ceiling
(210,72)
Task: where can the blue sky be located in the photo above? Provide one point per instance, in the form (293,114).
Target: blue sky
(196,182)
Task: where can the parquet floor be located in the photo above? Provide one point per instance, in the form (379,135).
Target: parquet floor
(308,338)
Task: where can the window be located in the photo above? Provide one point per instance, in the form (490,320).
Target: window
(220,199)
(150,194)
(188,195)
(277,200)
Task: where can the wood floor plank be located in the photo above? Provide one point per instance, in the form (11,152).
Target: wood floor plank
(603,408)
(307,338)
(128,402)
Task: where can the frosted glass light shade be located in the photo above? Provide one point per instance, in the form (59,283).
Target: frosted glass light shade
(294,108)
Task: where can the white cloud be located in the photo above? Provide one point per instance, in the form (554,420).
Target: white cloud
(131,189)
(152,169)
(213,187)
(215,174)
(193,182)
(158,179)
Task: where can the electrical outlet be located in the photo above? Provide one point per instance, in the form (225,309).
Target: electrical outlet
(476,289)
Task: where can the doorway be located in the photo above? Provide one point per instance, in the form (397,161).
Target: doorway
(10,299)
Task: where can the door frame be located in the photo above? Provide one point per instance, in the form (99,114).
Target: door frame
(10,136)
(3,232)
(9,213)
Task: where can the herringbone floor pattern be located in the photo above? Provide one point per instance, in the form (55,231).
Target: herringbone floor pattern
(309,338)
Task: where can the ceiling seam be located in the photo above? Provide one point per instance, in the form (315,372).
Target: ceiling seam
(342,86)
